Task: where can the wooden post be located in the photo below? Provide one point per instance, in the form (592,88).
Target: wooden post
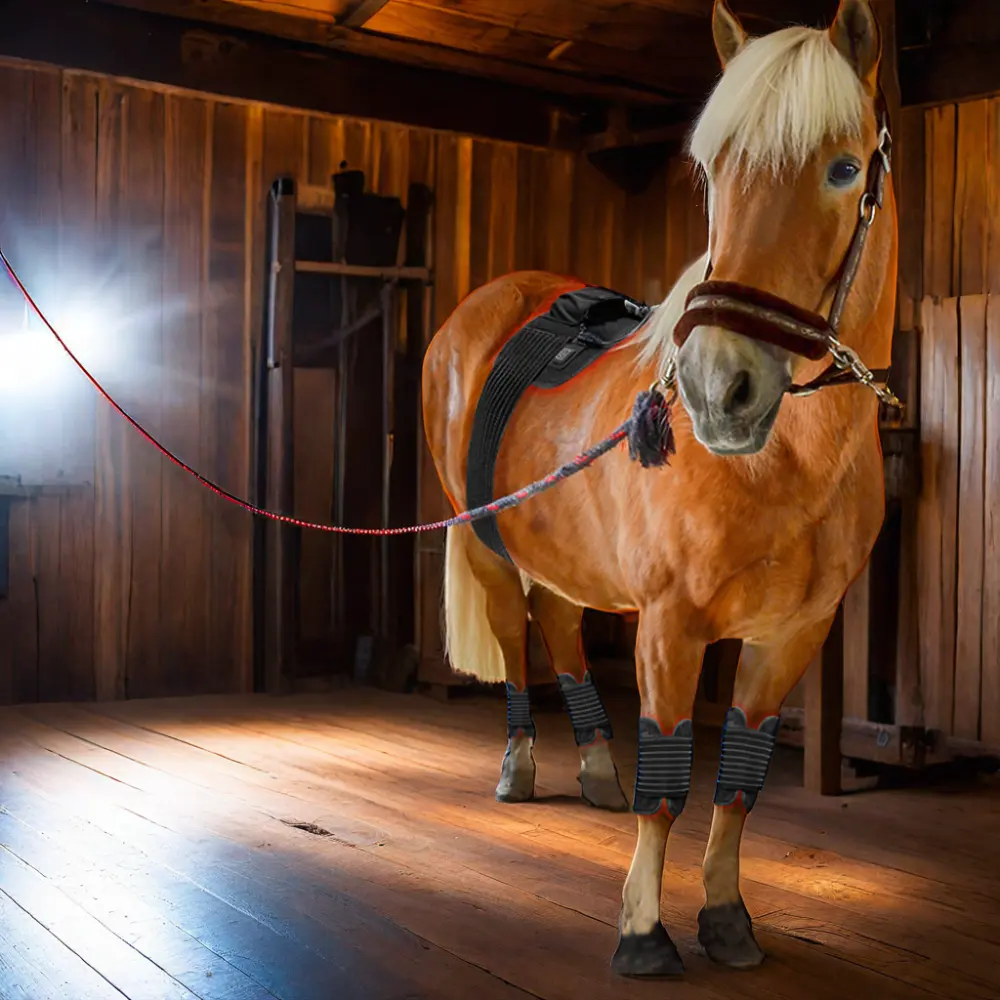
(824,715)
(279,612)
(857,624)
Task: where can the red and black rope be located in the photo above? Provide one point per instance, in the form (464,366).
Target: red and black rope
(588,457)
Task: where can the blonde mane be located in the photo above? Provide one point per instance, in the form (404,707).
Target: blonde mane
(778,100)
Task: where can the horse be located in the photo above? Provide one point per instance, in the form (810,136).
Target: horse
(773,495)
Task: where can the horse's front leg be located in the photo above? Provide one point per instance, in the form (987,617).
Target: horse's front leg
(767,673)
(667,668)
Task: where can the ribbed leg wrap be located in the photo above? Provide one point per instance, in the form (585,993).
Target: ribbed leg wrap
(519,720)
(586,710)
(746,755)
(663,773)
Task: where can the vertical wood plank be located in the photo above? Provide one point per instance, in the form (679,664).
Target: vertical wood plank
(77,236)
(937,512)
(654,286)
(314,420)
(681,202)
(254,207)
(143,207)
(857,625)
(185,532)
(226,432)
(970,248)
(76,569)
(909,167)
(939,205)
(112,506)
(463,221)
(824,711)
(993,196)
(971,515)
(559,211)
(52,671)
(991,542)
(524,246)
(480,213)
(22,605)
(504,222)
(588,236)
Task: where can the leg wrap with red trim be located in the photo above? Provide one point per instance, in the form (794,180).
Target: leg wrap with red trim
(519,720)
(586,710)
(663,772)
(746,755)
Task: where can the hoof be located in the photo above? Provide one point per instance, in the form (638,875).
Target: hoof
(517,779)
(726,934)
(603,793)
(651,955)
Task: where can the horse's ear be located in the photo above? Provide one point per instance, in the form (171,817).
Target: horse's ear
(856,35)
(727,31)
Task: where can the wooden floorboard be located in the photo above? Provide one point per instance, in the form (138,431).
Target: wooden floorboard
(349,846)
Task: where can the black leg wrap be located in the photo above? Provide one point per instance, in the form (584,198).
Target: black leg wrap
(663,773)
(519,720)
(746,754)
(586,710)
(652,955)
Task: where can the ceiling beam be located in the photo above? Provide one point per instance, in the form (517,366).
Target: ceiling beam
(360,13)
(550,77)
(125,43)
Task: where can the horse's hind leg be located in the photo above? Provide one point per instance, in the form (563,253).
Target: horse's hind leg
(560,623)
(486,612)
(767,673)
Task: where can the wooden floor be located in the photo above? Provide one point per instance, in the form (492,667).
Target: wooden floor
(348,846)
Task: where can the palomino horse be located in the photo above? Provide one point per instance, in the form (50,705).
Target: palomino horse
(774,497)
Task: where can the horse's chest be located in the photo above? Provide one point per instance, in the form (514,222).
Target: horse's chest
(766,575)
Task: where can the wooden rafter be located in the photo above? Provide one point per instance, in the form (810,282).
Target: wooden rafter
(543,76)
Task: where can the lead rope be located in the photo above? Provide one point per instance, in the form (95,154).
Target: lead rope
(647,431)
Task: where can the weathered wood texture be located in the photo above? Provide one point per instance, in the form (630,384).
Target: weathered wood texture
(152,203)
(309,847)
(959,539)
(503,208)
(123,209)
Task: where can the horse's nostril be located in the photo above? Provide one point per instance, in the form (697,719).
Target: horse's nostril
(739,393)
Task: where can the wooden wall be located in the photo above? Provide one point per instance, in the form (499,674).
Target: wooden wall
(959,518)
(143,210)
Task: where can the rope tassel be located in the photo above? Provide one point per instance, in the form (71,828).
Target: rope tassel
(651,434)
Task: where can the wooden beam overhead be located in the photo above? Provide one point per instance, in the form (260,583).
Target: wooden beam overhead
(117,41)
(545,76)
(360,13)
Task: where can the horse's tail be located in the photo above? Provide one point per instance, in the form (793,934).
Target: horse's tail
(470,644)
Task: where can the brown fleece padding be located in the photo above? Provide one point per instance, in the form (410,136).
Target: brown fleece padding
(757,321)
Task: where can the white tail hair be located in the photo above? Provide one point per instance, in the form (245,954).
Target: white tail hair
(470,645)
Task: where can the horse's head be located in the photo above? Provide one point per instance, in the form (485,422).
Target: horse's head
(785,142)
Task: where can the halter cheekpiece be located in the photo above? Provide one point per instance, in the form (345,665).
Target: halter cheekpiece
(765,317)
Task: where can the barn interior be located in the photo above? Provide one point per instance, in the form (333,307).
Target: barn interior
(234,758)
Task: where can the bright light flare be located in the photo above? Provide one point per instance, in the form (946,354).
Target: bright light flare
(32,361)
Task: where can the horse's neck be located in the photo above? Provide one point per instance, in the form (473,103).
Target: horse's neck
(826,436)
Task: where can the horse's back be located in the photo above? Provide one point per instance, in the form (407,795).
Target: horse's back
(459,358)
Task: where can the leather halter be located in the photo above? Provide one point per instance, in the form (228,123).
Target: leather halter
(765,317)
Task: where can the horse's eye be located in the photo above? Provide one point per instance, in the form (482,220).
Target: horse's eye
(842,173)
